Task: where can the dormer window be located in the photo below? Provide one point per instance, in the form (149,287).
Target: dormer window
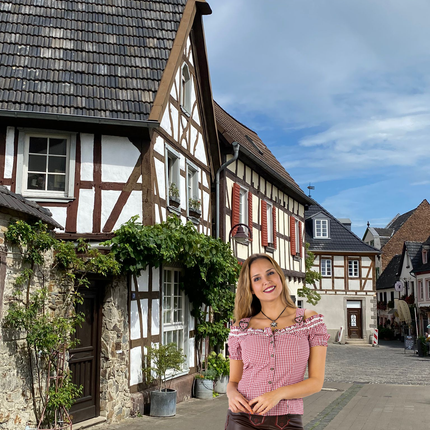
(321,229)
(186,89)
(425,256)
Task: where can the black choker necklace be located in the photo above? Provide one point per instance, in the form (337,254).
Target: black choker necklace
(274,323)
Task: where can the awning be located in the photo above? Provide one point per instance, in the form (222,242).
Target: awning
(403,311)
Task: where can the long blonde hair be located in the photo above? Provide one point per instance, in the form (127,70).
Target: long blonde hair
(246,304)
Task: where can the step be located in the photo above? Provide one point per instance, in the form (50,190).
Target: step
(89,423)
(357,342)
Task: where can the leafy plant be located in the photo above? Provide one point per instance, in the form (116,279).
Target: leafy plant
(160,360)
(194,204)
(173,190)
(311,277)
(209,374)
(218,363)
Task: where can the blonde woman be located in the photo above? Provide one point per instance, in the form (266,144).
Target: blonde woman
(270,345)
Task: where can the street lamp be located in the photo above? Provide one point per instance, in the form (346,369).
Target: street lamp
(240,236)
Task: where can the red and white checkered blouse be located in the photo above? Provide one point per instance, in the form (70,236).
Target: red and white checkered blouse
(275,359)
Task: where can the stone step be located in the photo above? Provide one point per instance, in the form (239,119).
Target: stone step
(357,342)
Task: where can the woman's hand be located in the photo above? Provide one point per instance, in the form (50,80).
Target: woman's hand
(236,402)
(262,404)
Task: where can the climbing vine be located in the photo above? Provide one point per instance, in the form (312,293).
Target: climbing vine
(210,268)
(52,273)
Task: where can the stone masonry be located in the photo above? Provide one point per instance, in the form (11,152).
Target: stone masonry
(416,228)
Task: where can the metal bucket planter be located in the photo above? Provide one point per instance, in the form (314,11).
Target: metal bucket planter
(221,385)
(203,388)
(163,403)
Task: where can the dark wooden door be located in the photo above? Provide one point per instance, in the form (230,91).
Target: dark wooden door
(85,358)
(354,323)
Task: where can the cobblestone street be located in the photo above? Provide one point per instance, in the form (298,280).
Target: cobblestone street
(386,364)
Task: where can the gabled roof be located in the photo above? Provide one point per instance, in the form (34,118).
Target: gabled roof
(399,220)
(90,58)
(253,147)
(386,232)
(15,203)
(341,239)
(414,252)
(390,275)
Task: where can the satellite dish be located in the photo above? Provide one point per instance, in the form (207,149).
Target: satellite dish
(398,286)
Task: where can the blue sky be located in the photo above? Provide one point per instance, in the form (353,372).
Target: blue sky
(338,90)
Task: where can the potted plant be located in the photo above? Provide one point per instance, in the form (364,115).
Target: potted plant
(221,365)
(204,384)
(421,346)
(194,207)
(174,198)
(161,359)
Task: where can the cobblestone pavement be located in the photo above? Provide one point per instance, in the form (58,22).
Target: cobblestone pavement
(385,364)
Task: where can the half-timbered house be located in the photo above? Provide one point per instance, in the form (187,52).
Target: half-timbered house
(347,267)
(106,113)
(259,197)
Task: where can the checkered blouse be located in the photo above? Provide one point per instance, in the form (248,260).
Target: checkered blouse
(275,359)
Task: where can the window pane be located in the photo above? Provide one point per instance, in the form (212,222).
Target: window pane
(56,164)
(36,181)
(38,145)
(37,163)
(167,275)
(58,146)
(56,182)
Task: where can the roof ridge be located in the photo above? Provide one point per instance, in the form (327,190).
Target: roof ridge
(233,118)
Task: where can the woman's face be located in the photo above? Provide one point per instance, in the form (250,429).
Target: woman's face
(265,281)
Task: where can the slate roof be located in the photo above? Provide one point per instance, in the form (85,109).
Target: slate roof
(341,239)
(92,58)
(414,251)
(384,231)
(390,275)
(17,203)
(250,140)
(400,220)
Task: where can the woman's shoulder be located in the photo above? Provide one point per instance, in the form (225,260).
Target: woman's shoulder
(309,313)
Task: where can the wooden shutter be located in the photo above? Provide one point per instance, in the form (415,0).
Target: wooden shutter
(300,239)
(250,212)
(274,226)
(293,235)
(264,240)
(235,206)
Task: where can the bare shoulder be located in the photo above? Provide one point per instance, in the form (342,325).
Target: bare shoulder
(310,313)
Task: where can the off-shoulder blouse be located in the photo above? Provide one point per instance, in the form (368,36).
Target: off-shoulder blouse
(275,359)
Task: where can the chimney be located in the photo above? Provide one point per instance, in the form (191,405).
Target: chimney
(346,222)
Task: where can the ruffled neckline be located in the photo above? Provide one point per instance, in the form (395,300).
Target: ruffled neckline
(300,323)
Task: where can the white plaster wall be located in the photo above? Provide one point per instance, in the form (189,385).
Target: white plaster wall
(157,213)
(144,310)
(354,284)
(143,280)
(338,260)
(136,376)
(85,211)
(193,138)
(326,283)
(159,145)
(190,354)
(175,118)
(206,206)
(119,156)
(200,150)
(135,332)
(87,156)
(9,152)
(339,284)
(155,279)
(160,178)
(60,215)
(339,272)
(155,323)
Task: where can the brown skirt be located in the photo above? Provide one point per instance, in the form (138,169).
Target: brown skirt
(243,421)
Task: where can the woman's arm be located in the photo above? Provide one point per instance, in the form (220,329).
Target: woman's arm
(236,402)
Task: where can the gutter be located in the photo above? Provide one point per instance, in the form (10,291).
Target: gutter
(79,118)
(294,192)
(236,147)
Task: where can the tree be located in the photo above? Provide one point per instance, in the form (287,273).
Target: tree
(311,295)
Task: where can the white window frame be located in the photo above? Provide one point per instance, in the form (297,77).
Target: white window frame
(319,224)
(243,206)
(186,88)
(269,214)
(298,244)
(425,256)
(178,324)
(23,159)
(353,268)
(193,182)
(174,176)
(420,290)
(428,289)
(326,267)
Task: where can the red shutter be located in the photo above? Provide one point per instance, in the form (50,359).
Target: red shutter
(300,239)
(235,205)
(250,212)
(264,240)
(274,226)
(293,235)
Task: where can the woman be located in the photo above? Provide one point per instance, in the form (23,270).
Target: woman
(270,345)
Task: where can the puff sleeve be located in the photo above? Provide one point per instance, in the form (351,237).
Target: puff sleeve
(234,348)
(318,335)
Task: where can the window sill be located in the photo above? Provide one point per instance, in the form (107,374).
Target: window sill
(49,199)
(297,257)
(174,209)
(270,248)
(185,112)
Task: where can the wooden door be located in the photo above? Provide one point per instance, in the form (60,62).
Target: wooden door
(354,323)
(85,358)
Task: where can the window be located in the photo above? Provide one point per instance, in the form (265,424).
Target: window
(353,268)
(424,252)
(300,304)
(173,309)
(321,228)
(298,238)
(186,89)
(173,177)
(243,206)
(421,290)
(428,289)
(269,209)
(194,202)
(46,164)
(325,267)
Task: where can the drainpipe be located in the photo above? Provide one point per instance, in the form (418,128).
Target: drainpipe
(236,147)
